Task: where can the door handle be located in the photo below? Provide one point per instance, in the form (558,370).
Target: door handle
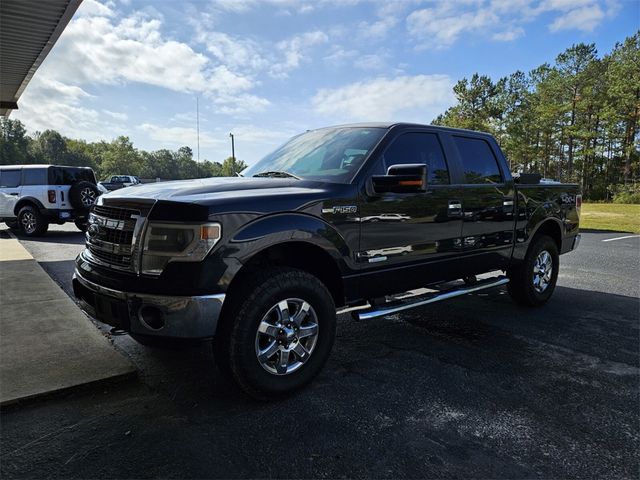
(15,194)
(455,208)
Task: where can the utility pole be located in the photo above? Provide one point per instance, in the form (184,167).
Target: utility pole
(198,135)
(233,153)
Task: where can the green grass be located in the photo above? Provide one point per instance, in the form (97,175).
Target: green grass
(611,216)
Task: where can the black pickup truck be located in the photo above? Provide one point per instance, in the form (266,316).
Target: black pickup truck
(261,263)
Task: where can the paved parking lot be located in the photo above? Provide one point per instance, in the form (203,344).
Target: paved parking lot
(476,387)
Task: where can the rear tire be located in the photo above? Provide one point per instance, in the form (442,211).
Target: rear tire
(31,222)
(276,333)
(533,281)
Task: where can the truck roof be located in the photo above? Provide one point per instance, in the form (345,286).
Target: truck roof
(407,124)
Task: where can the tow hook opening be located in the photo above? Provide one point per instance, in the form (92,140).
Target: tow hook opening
(151,317)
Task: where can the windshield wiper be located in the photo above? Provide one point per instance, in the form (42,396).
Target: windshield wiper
(277,174)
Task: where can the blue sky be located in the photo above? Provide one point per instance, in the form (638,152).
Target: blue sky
(268,69)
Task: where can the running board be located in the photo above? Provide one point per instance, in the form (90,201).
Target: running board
(432,298)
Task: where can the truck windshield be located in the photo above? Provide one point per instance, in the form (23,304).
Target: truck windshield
(327,154)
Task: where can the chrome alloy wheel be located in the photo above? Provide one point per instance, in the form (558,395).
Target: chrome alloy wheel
(286,336)
(87,197)
(28,221)
(542,271)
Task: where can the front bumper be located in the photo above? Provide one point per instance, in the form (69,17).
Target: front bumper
(152,315)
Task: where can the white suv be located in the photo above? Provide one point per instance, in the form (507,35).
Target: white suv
(33,196)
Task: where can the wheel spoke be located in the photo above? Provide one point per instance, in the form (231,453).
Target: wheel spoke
(283,312)
(308,331)
(302,352)
(268,329)
(268,352)
(284,361)
(301,314)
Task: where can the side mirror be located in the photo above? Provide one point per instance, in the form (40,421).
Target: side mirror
(402,178)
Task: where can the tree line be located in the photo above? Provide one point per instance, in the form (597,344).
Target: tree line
(576,120)
(118,157)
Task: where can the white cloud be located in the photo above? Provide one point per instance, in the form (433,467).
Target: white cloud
(509,34)
(442,24)
(418,98)
(48,103)
(373,61)
(172,136)
(295,51)
(585,19)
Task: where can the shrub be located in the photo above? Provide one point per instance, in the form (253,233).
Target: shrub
(627,193)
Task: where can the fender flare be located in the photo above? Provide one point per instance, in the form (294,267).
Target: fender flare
(24,200)
(268,231)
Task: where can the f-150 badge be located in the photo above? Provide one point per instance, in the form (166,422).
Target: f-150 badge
(341,209)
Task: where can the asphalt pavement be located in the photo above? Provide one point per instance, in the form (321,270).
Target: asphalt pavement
(475,387)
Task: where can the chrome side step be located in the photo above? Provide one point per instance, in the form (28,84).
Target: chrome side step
(431,298)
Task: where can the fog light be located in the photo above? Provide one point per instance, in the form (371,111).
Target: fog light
(151,317)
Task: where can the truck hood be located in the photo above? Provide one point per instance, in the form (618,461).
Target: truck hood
(234,193)
(200,189)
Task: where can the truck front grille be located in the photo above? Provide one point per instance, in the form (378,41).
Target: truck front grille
(111,236)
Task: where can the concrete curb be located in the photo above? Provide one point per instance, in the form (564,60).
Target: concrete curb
(47,344)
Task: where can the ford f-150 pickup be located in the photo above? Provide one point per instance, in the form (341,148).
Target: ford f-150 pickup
(261,263)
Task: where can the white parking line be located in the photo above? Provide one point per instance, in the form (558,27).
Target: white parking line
(621,238)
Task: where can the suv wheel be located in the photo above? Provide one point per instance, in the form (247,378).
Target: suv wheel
(31,222)
(82,195)
(81,225)
(277,333)
(533,281)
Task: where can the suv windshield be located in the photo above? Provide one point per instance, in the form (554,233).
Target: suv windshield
(328,154)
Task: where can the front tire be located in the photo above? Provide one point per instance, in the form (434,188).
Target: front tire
(31,223)
(533,281)
(277,332)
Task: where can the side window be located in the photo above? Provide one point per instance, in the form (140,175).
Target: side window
(478,161)
(10,178)
(35,176)
(422,148)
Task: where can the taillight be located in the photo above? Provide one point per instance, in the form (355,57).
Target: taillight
(52,196)
(578,203)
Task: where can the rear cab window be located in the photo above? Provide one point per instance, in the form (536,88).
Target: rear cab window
(10,178)
(479,163)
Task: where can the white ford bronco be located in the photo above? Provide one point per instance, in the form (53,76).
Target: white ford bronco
(33,196)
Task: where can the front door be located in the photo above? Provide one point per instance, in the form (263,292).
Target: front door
(404,235)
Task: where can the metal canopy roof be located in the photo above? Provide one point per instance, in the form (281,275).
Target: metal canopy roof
(28,31)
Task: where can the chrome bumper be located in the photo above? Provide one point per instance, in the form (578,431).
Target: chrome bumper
(143,314)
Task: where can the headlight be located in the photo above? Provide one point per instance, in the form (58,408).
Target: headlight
(167,242)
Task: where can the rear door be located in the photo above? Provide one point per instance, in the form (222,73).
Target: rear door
(403,233)
(35,184)
(487,201)
(10,187)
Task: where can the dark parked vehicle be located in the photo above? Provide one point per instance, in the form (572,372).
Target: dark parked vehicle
(117,182)
(261,263)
